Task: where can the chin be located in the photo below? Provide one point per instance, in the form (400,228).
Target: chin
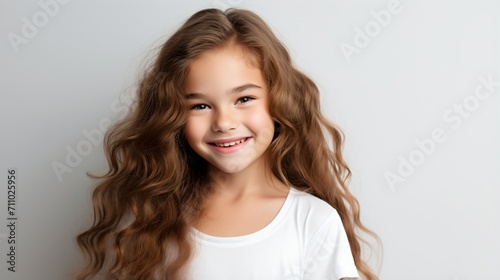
(231,167)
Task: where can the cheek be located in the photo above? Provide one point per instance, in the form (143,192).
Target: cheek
(261,121)
(193,131)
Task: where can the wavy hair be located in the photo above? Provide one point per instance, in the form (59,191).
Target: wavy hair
(147,201)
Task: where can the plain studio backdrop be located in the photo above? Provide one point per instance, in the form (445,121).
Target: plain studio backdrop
(414,85)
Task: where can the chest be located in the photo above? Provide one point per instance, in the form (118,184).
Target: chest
(225,219)
(282,254)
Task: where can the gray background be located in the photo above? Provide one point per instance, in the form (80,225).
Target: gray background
(65,80)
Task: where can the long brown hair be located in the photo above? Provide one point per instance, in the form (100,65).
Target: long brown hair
(146,203)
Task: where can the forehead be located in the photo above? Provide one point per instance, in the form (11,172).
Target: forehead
(227,66)
(235,48)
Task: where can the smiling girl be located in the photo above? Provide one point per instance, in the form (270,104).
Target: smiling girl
(223,170)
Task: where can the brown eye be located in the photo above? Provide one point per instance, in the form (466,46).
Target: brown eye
(245,99)
(199,107)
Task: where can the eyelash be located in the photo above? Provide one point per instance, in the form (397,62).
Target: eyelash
(247,98)
(197,107)
(242,100)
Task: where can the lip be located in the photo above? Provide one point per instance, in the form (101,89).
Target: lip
(231,149)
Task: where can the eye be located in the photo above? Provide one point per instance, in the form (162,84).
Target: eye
(199,107)
(245,99)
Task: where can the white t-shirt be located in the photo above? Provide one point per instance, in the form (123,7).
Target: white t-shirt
(305,241)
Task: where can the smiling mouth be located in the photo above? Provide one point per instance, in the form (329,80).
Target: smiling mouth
(230,144)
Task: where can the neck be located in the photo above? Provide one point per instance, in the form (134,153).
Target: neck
(255,179)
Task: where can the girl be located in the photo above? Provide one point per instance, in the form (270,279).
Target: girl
(222,170)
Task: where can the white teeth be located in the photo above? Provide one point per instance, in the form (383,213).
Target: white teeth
(230,143)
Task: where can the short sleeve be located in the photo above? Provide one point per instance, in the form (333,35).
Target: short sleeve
(328,254)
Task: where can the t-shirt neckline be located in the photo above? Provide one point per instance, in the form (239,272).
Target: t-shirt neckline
(253,237)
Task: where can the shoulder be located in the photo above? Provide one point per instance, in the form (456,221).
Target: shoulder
(311,204)
(312,211)
(327,249)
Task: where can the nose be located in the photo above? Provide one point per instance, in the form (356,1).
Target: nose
(224,121)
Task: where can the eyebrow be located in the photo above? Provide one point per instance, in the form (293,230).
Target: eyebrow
(237,89)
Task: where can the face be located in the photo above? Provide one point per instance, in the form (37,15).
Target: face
(229,124)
